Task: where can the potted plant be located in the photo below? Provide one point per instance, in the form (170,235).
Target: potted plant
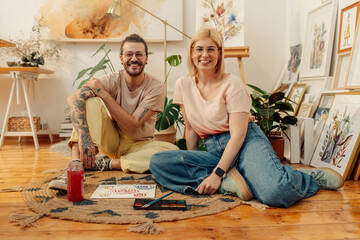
(171,115)
(271,112)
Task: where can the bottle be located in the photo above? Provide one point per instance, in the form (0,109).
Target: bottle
(75,177)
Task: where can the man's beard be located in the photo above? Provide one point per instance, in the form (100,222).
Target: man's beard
(134,74)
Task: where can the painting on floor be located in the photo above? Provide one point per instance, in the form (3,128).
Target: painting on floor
(338,145)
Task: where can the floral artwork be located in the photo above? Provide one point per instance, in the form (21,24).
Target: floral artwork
(338,142)
(319,39)
(318,46)
(224,15)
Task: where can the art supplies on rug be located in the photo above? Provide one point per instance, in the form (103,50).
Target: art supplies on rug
(160,205)
(125,191)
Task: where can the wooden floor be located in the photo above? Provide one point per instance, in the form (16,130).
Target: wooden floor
(328,215)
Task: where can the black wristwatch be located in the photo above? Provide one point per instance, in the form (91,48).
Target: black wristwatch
(220,172)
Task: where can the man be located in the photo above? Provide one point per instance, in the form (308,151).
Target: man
(115,115)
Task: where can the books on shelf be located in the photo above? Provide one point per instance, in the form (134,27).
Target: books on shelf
(66,128)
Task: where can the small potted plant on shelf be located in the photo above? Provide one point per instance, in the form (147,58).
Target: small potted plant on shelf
(271,113)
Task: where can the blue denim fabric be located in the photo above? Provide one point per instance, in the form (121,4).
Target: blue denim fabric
(272,183)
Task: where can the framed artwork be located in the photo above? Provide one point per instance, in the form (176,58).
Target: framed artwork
(338,145)
(348,20)
(323,107)
(294,63)
(296,95)
(86,20)
(318,44)
(282,88)
(227,16)
(353,73)
(341,68)
(305,110)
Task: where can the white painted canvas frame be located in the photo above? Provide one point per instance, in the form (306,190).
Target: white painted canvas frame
(338,145)
(317,63)
(353,73)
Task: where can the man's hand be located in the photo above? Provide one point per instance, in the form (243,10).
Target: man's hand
(209,185)
(87,151)
(96,86)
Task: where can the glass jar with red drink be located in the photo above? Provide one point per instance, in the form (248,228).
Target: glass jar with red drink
(75,177)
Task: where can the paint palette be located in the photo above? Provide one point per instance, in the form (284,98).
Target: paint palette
(161,205)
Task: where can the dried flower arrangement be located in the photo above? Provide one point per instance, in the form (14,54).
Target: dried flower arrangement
(33,51)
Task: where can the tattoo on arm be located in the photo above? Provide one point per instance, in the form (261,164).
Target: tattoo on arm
(77,110)
(143,114)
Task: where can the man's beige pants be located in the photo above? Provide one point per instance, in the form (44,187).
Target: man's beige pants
(134,154)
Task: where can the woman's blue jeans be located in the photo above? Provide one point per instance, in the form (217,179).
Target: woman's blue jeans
(271,182)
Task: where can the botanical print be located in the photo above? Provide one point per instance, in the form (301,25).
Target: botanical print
(318,43)
(318,46)
(337,139)
(86,19)
(296,94)
(224,15)
(337,145)
(348,20)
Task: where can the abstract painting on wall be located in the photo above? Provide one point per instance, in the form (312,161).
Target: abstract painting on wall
(76,20)
(338,145)
(227,16)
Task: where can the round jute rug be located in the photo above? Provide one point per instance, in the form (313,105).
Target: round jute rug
(54,204)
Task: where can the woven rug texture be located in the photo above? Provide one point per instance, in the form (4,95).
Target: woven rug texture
(54,204)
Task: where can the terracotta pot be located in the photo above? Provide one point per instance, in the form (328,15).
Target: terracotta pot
(278,145)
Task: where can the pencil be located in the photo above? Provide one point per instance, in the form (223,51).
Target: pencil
(156,200)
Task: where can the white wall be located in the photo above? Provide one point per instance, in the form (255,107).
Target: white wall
(266,35)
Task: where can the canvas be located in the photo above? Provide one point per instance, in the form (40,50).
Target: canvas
(319,35)
(296,95)
(353,74)
(227,16)
(294,63)
(80,20)
(348,19)
(338,145)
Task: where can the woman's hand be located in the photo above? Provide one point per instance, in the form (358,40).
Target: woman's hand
(209,185)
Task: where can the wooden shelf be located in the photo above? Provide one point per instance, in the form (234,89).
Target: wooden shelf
(37,70)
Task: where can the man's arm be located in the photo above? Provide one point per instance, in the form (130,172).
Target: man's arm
(123,119)
(78,118)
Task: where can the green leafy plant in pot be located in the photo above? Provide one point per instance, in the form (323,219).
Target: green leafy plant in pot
(171,118)
(271,112)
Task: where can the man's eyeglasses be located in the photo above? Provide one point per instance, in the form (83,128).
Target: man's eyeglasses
(209,50)
(138,55)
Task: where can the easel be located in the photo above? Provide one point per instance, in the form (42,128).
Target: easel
(239,53)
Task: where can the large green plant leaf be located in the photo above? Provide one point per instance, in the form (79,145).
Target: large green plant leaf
(174,60)
(168,117)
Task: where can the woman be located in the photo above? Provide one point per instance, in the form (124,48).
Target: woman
(240,159)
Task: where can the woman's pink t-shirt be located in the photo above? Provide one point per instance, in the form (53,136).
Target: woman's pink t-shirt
(210,117)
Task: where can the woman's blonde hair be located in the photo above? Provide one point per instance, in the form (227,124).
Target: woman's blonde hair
(216,37)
